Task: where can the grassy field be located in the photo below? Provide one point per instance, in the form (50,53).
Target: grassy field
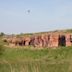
(31,60)
(35,60)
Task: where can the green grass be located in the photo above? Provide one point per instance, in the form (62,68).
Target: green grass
(30,60)
(35,60)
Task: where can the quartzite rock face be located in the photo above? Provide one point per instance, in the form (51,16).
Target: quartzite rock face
(43,40)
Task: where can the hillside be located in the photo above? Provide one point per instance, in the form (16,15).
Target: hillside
(29,59)
(38,33)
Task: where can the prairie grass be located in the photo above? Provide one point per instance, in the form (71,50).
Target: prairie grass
(42,60)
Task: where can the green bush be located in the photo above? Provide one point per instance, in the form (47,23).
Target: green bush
(2,34)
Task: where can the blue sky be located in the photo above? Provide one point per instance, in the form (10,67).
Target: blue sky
(45,15)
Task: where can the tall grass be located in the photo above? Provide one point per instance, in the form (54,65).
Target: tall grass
(1,50)
(29,60)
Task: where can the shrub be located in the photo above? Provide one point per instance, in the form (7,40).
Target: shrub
(2,34)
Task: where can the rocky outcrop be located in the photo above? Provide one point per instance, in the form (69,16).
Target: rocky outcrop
(42,40)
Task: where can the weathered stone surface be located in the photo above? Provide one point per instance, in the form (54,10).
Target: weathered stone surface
(68,42)
(43,40)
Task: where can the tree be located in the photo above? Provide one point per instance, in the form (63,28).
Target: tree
(2,34)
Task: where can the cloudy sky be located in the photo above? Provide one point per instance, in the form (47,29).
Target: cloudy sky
(44,15)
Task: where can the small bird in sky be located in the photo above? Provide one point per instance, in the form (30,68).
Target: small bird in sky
(28,11)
